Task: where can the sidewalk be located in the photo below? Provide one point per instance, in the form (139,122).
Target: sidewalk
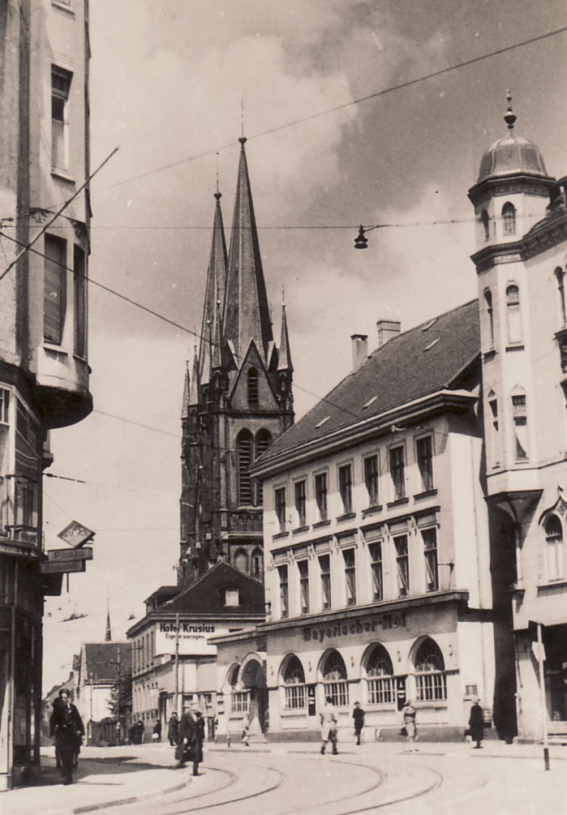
(105,777)
(119,775)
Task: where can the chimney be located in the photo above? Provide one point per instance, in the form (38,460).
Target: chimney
(359,350)
(387,329)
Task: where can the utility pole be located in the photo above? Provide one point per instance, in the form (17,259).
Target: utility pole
(177,665)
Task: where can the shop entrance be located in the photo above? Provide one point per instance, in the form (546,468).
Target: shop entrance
(555,643)
(253,679)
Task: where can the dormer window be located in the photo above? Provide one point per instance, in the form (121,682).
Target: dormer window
(509,218)
(231,597)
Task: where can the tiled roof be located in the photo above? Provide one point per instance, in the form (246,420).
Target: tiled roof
(206,595)
(414,364)
(101,661)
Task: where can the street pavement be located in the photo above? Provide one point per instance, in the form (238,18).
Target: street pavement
(143,779)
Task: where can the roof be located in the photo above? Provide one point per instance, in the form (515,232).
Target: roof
(101,661)
(512,154)
(419,362)
(206,595)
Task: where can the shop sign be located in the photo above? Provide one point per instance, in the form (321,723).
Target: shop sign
(190,638)
(63,567)
(58,555)
(385,622)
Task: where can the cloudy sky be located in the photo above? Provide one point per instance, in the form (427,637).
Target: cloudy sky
(172,81)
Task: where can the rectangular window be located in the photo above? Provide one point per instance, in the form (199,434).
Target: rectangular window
(280,504)
(4,406)
(325,566)
(350,576)
(402,562)
(300,502)
(60,86)
(240,701)
(375,550)
(303,566)
(431,687)
(54,289)
(380,691)
(431,563)
(232,597)
(338,691)
(80,281)
(284,591)
(495,432)
(424,449)
(345,487)
(398,472)
(321,490)
(520,426)
(371,479)
(294,697)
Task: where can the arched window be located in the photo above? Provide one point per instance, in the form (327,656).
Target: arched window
(241,560)
(335,679)
(244,453)
(560,277)
(379,681)
(509,218)
(513,313)
(430,678)
(485,220)
(263,441)
(239,698)
(554,548)
(257,563)
(294,684)
(520,418)
(489,317)
(253,398)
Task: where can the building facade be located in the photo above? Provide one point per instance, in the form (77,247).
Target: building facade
(377,548)
(173,661)
(44,373)
(100,668)
(521,266)
(238,398)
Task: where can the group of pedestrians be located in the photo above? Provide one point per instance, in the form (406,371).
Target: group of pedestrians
(329,721)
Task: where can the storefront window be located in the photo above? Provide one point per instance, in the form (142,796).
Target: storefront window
(335,679)
(430,678)
(240,701)
(294,685)
(379,680)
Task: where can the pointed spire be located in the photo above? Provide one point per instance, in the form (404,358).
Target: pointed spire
(216,338)
(195,389)
(216,279)
(186,392)
(285,363)
(108,635)
(246,311)
(205,359)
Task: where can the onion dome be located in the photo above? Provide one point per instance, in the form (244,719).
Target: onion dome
(512,154)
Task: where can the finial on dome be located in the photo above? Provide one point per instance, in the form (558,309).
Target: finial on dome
(510,117)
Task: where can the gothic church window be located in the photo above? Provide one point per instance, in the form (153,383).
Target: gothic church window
(253,396)
(257,564)
(513,313)
(509,218)
(554,548)
(244,455)
(263,441)
(241,560)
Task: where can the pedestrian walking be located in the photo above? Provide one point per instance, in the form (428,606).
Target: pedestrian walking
(138,732)
(173,729)
(246,731)
(67,729)
(409,726)
(156,732)
(358,715)
(329,720)
(476,724)
(191,736)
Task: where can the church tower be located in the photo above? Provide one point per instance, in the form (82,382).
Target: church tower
(237,400)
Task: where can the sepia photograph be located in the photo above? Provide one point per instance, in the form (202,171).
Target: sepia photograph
(283,407)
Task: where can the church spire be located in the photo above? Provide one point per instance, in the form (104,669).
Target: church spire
(108,635)
(216,281)
(284,363)
(195,388)
(186,393)
(246,310)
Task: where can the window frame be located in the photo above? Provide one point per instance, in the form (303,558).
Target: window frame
(303,570)
(431,558)
(513,313)
(509,219)
(402,564)
(371,476)
(300,501)
(346,487)
(398,487)
(280,507)
(60,97)
(283,577)
(325,581)
(554,546)
(427,477)
(349,561)
(54,276)
(377,570)
(322,495)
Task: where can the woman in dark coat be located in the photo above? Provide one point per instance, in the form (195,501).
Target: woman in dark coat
(66,727)
(476,724)
(173,729)
(191,736)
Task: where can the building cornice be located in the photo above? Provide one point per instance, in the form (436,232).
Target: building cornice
(357,432)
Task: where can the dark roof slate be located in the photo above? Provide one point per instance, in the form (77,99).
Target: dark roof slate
(418,362)
(206,595)
(101,660)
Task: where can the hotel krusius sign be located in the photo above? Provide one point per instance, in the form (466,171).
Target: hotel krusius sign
(192,638)
(338,630)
